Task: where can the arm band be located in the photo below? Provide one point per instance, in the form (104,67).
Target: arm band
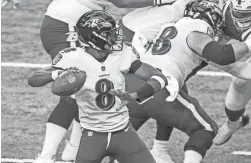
(145,92)
(219,54)
(160,81)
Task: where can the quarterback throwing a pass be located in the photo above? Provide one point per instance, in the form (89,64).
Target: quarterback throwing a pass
(103,116)
(58,31)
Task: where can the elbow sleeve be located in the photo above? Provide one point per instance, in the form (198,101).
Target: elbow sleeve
(135,66)
(219,54)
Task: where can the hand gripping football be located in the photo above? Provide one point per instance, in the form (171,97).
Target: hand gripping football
(68,82)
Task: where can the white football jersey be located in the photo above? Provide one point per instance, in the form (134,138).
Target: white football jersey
(170,51)
(98,107)
(69,11)
(148,20)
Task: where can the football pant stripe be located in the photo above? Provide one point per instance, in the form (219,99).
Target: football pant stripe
(194,111)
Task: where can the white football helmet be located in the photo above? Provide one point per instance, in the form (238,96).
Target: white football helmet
(241,13)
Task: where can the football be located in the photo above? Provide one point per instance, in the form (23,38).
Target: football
(68,83)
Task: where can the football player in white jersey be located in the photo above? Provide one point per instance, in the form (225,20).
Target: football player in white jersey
(103,117)
(179,48)
(237,15)
(148,21)
(58,32)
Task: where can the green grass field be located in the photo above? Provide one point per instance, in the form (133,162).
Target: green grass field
(25,110)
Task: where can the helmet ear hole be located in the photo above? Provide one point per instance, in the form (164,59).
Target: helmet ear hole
(97,28)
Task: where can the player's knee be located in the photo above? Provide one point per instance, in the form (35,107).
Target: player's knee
(239,84)
(163,132)
(64,112)
(200,141)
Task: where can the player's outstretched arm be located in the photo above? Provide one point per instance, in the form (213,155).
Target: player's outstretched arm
(215,52)
(140,3)
(155,80)
(44,76)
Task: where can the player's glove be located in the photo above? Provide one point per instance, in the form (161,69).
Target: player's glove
(73,69)
(67,70)
(172,86)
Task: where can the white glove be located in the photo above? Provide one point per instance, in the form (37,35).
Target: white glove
(172,87)
(140,43)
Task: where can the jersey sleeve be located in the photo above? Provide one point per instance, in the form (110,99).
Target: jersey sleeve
(69,57)
(128,56)
(204,27)
(149,20)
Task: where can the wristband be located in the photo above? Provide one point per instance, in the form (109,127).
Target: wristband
(54,74)
(145,92)
(248,42)
(160,80)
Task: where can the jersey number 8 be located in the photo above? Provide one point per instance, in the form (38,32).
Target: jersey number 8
(163,43)
(104,100)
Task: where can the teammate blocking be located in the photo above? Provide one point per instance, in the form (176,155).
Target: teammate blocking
(178,49)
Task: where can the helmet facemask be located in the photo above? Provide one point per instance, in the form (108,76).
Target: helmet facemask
(209,12)
(241,14)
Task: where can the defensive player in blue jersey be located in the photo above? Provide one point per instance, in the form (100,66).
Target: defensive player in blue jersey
(237,16)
